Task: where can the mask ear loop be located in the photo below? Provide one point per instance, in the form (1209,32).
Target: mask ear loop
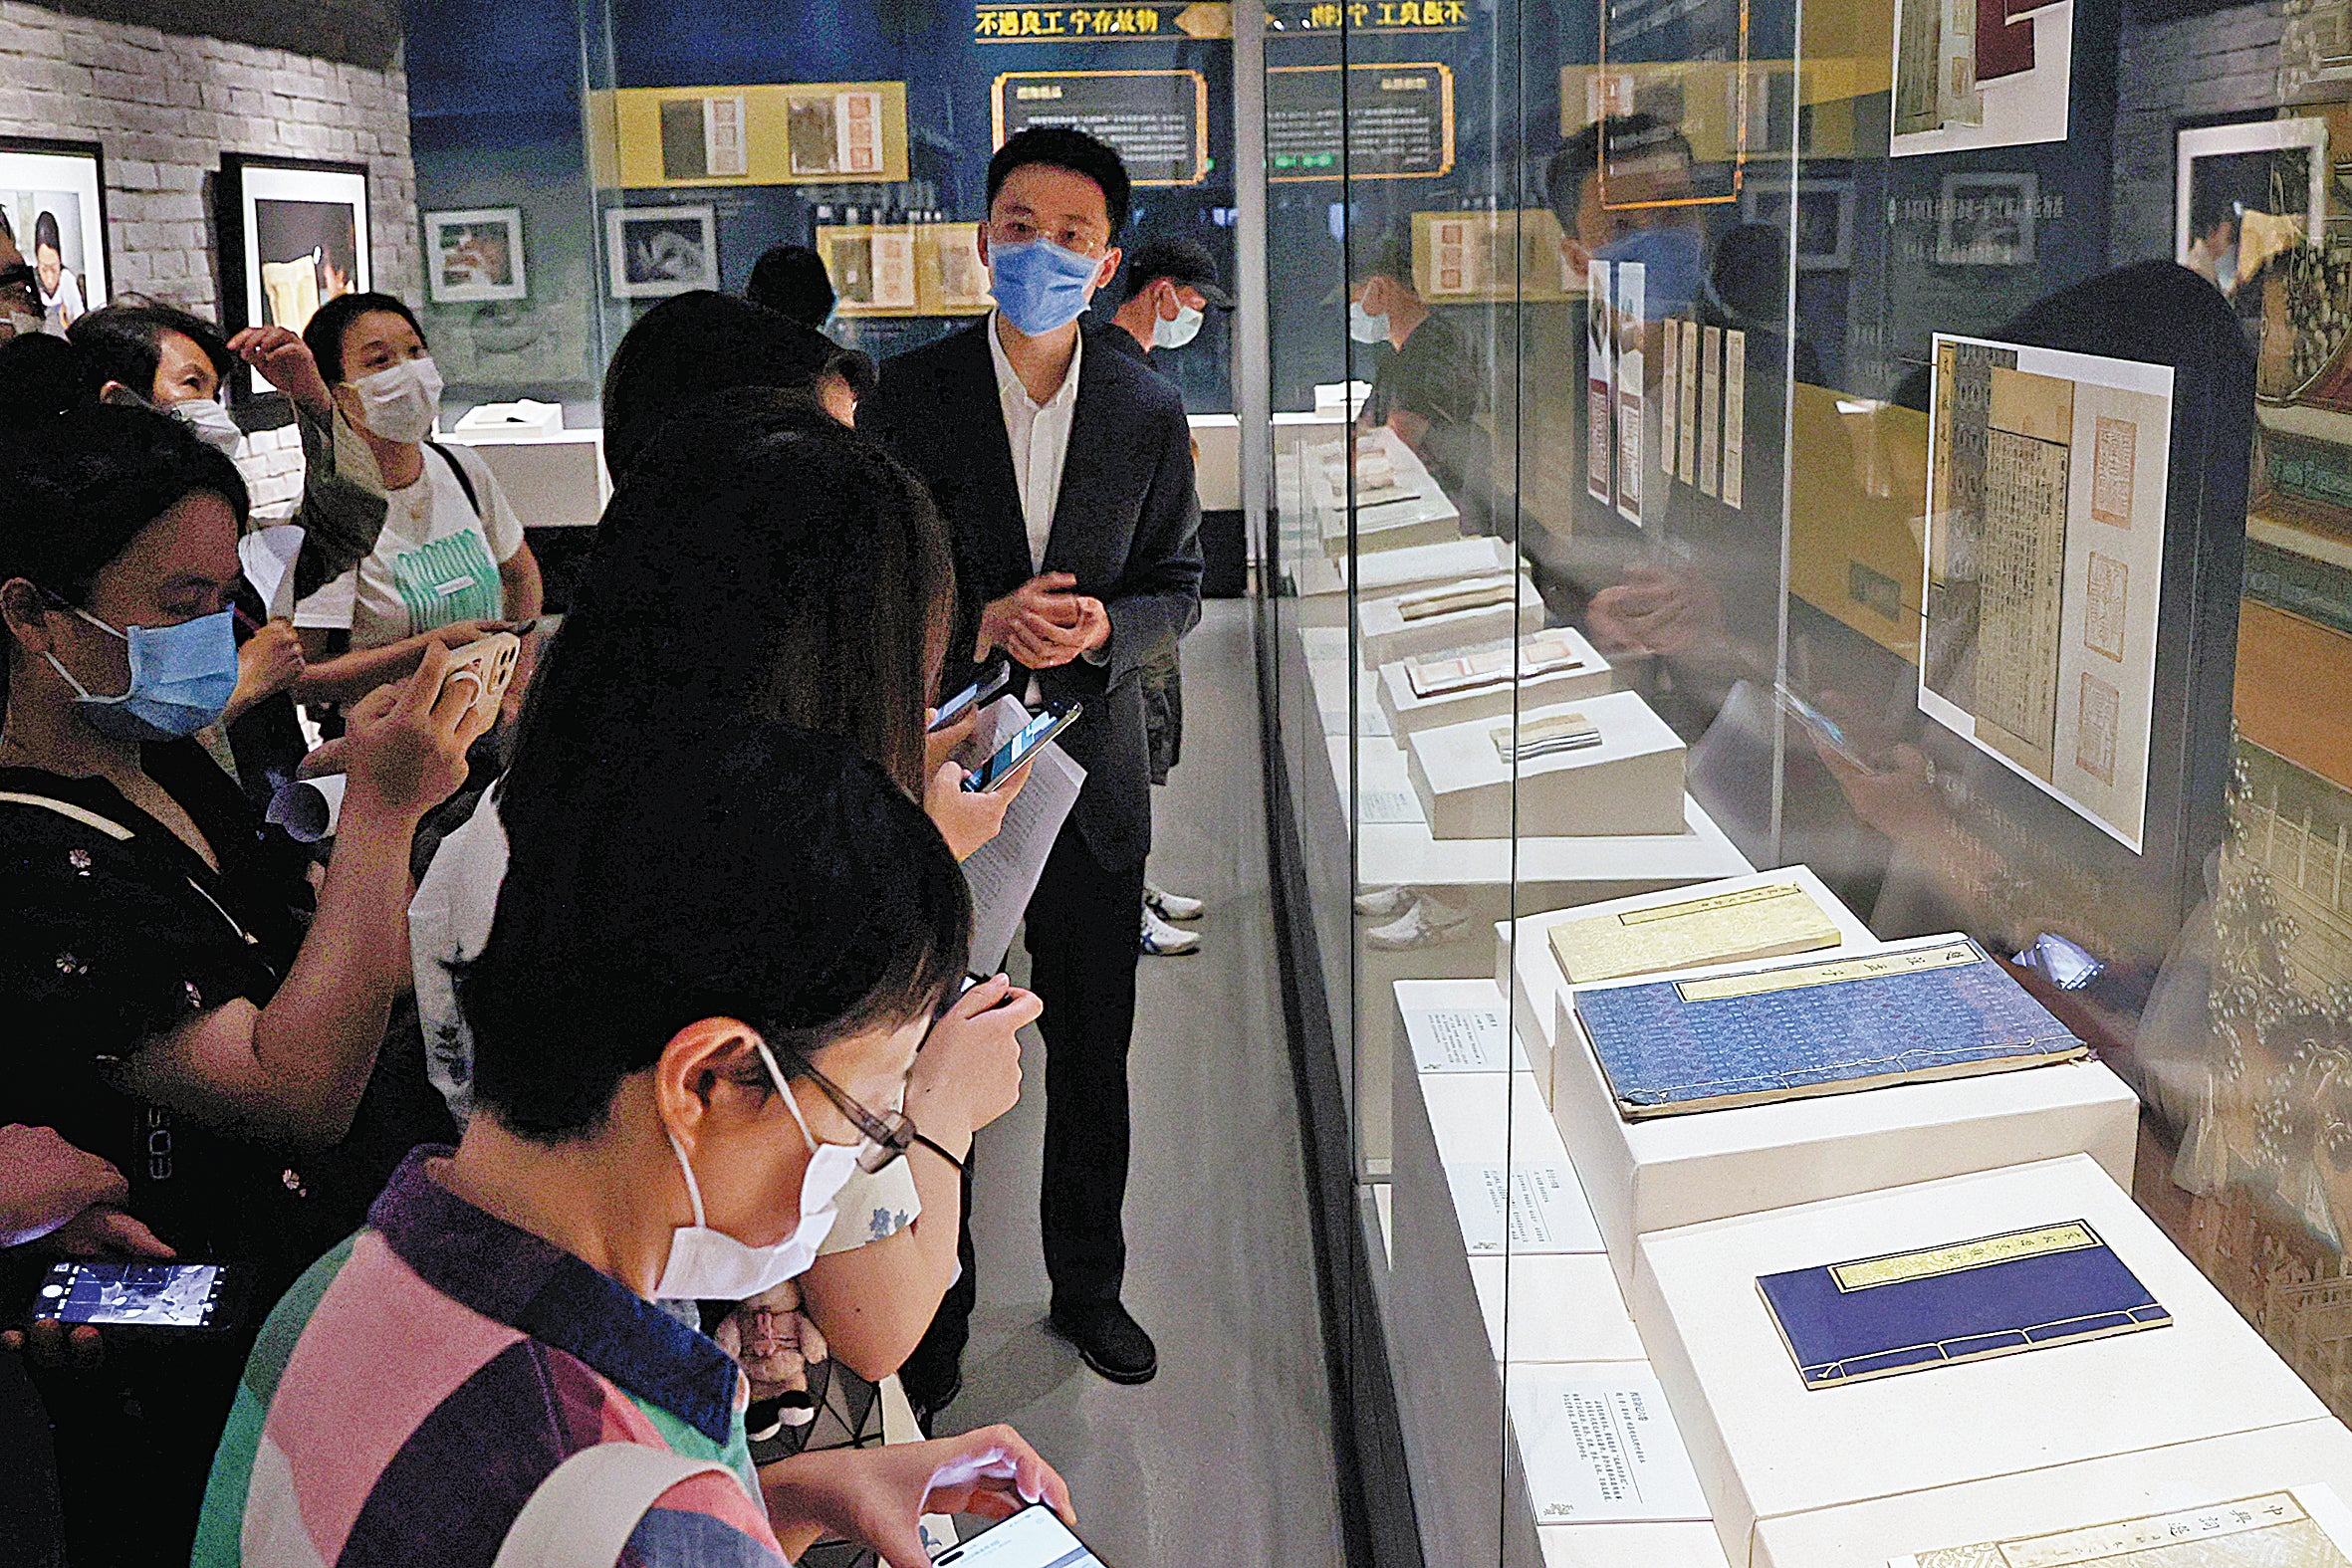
(783,1088)
(693,1187)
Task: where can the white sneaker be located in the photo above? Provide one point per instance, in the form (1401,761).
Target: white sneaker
(1161,940)
(1384,903)
(1427,923)
(1170,906)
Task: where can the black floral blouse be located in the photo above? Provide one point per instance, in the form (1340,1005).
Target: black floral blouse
(113,932)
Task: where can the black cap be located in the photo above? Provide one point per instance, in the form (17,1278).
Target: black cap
(1184,263)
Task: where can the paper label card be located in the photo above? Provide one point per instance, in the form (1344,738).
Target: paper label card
(2298,1527)
(1457,1039)
(1604,1449)
(1548,1213)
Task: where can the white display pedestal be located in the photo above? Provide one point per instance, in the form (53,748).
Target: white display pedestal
(2043,1501)
(1630,784)
(1534,976)
(1767,1448)
(1384,634)
(1408,713)
(1671,1171)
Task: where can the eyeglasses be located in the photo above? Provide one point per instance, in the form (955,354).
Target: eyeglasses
(888,1134)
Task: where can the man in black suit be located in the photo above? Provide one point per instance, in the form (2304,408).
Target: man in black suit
(1065,470)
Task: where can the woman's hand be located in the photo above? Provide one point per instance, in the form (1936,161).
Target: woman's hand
(280,353)
(968,819)
(270,661)
(877,1498)
(45,1182)
(405,745)
(939,747)
(968,1072)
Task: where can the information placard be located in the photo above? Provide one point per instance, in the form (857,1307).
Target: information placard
(1398,118)
(1158,121)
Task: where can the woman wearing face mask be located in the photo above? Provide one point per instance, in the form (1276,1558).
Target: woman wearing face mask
(693,1014)
(167,1008)
(450,561)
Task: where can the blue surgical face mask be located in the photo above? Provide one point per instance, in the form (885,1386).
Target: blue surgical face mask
(181,678)
(1039,286)
(1363,325)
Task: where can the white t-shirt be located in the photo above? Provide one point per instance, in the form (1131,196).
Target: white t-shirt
(449,925)
(435,563)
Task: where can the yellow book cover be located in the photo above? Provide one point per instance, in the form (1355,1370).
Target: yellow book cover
(1772,921)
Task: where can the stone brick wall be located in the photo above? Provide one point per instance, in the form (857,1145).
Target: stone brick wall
(2224,62)
(165,107)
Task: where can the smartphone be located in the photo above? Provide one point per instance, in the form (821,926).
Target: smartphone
(993,680)
(176,1297)
(491,661)
(1034,1537)
(1831,732)
(1023,744)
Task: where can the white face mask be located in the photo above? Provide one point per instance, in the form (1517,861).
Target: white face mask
(1178,332)
(398,403)
(211,421)
(708,1264)
(1364,326)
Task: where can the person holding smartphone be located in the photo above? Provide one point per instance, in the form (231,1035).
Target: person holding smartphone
(179,1003)
(697,1012)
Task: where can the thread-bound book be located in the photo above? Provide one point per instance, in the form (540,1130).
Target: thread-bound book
(1909,1014)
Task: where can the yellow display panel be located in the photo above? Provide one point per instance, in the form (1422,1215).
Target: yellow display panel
(796,133)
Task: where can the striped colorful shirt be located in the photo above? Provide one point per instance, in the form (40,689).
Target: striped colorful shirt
(420,1382)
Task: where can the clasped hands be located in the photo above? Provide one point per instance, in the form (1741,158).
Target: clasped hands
(1045,622)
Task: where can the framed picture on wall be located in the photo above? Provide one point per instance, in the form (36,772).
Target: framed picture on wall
(2243,194)
(53,204)
(1987,220)
(651,253)
(1823,218)
(294,234)
(474,255)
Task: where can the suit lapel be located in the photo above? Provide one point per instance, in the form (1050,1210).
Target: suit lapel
(1066,547)
(1003,528)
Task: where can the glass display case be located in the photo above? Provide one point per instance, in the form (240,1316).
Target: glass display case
(1847,502)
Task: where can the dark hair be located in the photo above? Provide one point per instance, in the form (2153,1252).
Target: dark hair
(1749,273)
(40,378)
(773,878)
(1565,175)
(1059,146)
(76,490)
(790,280)
(1388,255)
(699,343)
(45,233)
(124,343)
(761,561)
(332,322)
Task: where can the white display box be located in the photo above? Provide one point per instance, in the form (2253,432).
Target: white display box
(1383,634)
(2043,1501)
(1562,1307)
(1630,1546)
(1409,711)
(552,479)
(1768,1449)
(1630,784)
(1670,1170)
(1533,975)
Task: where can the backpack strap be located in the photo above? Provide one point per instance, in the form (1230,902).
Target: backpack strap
(585,1513)
(465,479)
(66,808)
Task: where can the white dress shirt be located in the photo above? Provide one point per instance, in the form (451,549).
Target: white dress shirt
(1040,438)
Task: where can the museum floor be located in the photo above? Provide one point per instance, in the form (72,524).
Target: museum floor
(1226,1456)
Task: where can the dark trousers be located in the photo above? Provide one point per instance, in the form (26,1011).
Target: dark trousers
(1083,925)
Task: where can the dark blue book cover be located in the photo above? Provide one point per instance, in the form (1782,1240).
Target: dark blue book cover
(1939,1010)
(1992,1296)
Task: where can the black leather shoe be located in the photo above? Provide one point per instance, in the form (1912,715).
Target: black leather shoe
(1108,1340)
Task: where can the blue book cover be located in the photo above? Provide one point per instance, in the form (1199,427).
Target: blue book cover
(1992,1297)
(1935,1009)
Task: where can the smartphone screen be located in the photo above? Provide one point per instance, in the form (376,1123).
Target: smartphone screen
(992,680)
(148,1295)
(1016,751)
(1034,1537)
